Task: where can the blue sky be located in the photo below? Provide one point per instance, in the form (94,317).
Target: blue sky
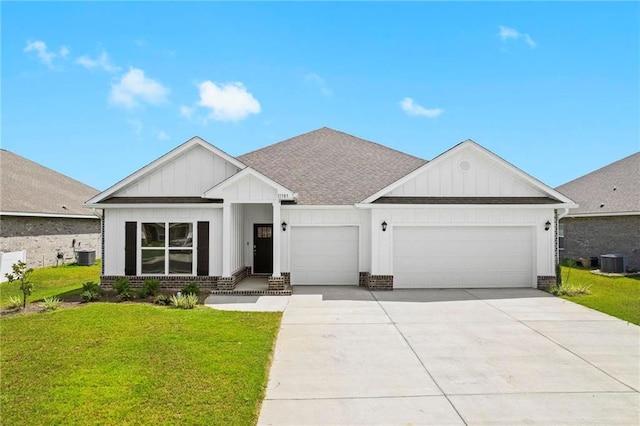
(98,90)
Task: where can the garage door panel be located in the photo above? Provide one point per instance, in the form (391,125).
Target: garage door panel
(324,255)
(464,257)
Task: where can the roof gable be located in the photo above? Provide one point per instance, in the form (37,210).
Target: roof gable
(188,170)
(249,185)
(613,189)
(468,170)
(326,166)
(28,187)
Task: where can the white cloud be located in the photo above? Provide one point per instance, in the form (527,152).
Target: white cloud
(413,109)
(162,135)
(320,82)
(227,101)
(134,87)
(102,61)
(45,55)
(507,33)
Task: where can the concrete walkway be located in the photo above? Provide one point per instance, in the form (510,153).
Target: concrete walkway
(349,356)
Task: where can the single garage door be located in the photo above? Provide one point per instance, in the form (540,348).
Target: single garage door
(462,257)
(324,255)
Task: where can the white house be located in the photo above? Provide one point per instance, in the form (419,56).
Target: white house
(328,208)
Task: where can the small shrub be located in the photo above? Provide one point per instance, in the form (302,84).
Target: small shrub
(162,299)
(570,290)
(21,273)
(122,286)
(15,302)
(90,291)
(50,303)
(185,301)
(149,288)
(191,288)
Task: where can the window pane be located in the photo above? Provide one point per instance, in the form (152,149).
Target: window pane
(180,261)
(264,232)
(181,235)
(152,261)
(152,235)
(561,229)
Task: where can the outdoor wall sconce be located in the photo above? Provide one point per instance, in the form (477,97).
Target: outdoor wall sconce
(384,226)
(284,226)
(547,226)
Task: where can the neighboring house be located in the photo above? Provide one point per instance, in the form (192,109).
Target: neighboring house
(42,213)
(607,220)
(329,208)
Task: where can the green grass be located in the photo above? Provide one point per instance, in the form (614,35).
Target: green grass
(53,281)
(129,363)
(616,296)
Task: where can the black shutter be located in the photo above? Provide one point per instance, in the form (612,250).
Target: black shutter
(203,249)
(130,231)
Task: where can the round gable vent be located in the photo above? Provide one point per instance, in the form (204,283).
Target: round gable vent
(464,165)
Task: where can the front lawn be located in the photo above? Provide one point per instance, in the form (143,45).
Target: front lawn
(52,281)
(616,296)
(135,364)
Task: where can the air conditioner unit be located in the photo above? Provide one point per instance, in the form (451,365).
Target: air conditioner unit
(613,263)
(85,257)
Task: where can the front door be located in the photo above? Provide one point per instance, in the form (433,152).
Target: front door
(263,248)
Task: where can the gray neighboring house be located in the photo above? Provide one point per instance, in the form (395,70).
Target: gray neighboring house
(607,220)
(42,213)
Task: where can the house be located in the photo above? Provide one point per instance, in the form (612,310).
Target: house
(42,214)
(607,220)
(329,208)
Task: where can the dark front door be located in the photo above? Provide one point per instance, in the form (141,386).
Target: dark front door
(263,248)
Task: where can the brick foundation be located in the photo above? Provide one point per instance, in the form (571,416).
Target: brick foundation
(363,281)
(276,283)
(380,282)
(546,281)
(226,283)
(166,282)
(287,278)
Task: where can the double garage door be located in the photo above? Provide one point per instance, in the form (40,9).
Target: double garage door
(324,255)
(462,257)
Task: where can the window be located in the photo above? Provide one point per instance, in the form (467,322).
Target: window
(163,253)
(561,236)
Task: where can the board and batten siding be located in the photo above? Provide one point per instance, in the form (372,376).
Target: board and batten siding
(190,174)
(115,220)
(449,177)
(327,216)
(535,218)
(250,189)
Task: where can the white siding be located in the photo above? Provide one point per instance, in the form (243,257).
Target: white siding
(189,174)
(327,216)
(115,225)
(382,242)
(237,237)
(485,177)
(250,189)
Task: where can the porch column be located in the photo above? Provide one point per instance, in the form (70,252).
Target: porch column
(226,239)
(276,239)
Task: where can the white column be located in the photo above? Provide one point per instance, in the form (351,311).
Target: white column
(277,229)
(226,239)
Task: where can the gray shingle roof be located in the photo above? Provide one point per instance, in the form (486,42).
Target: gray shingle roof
(326,166)
(612,189)
(26,186)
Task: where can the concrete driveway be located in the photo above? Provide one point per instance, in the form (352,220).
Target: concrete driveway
(349,356)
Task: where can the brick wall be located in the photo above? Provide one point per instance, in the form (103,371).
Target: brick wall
(166,282)
(41,237)
(380,282)
(595,236)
